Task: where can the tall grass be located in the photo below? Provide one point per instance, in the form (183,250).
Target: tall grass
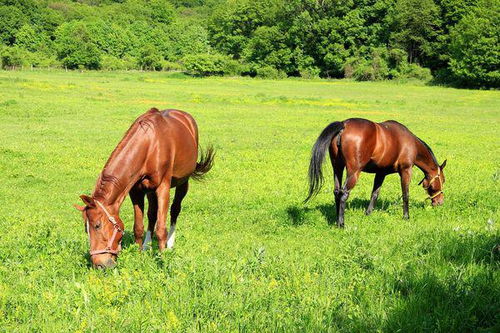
(249,256)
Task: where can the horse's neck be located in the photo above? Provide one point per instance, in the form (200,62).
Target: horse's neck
(117,177)
(425,161)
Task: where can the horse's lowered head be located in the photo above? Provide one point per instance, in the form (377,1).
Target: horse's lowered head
(433,184)
(104,230)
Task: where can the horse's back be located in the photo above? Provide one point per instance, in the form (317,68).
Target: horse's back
(376,146)
(175,142)
(358,138)
(398,144)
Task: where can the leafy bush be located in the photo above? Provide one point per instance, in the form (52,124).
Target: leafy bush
(150,58)
(268,72)
(205,64)
(310,72)
(45,61)
(414,71)
(235,68)
(373,69)
(171,66)
(110,62)
(13,57)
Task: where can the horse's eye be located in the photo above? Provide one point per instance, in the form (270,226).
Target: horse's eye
(97,226)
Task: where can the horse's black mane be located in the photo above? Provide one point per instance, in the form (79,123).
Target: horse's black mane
(430,150)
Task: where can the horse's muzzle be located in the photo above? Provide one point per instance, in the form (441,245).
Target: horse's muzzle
(108,263)
(437,202)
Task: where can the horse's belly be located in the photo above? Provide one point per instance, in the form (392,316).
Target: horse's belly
(374,167)
(174,182)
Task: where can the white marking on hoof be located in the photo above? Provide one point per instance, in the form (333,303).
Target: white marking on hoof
(171,238)
(146,245)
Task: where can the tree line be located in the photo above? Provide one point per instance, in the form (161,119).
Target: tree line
(451,41)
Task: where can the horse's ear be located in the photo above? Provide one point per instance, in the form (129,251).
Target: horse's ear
(89,201)
(443,165)
(80,208)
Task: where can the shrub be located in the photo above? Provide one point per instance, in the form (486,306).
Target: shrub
(44,60)
(13,57)
(235,68)
(414,71)
(110,62)
(171,66)
(205,64)
(150,58)
(309,72)
(130,62)
(268,72)
(373,69)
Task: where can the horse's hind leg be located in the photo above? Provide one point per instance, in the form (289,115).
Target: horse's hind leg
(377,184)
(338,174)
(180,193)
(152,213)
(350,182)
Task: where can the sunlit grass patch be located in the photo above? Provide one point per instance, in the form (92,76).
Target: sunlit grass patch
(249,255)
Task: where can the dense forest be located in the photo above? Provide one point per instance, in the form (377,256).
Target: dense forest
(455,41)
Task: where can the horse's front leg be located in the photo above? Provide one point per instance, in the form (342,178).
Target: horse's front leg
(137,198)
(163,199)
(405,175)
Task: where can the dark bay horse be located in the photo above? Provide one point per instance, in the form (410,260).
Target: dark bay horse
(380,148)
(158,152)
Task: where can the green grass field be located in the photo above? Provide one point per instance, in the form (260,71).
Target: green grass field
(249,255)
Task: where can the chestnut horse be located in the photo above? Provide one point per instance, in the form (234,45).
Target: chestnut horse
(158,152)
(380,148)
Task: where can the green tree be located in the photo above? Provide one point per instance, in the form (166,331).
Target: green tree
(75,47)
(233,24)
(475,46)
(268,47)
(30,39)
(415,28)
(11,20)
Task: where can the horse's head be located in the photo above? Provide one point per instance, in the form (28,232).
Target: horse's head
(105,232)
(433,184)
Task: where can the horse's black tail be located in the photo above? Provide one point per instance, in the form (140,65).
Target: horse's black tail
(318,155)
(205,164)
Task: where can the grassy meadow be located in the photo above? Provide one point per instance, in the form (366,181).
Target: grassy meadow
(249,255)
